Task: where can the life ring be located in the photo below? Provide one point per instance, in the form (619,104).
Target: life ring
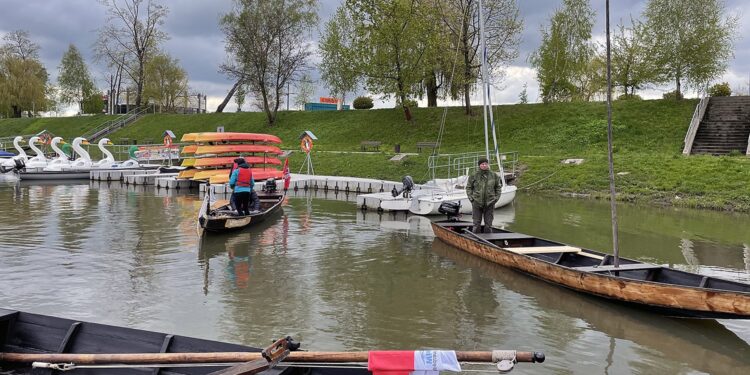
(306,144)
(167,140)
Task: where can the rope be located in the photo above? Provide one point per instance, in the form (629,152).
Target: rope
(540,180)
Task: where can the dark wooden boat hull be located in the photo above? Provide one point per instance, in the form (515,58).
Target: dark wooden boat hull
(665,290)
(22,332)
(270,206)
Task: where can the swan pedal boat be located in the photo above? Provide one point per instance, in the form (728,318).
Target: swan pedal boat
(659,288)
(219,217)
(28,333)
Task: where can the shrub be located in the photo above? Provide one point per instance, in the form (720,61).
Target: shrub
(629,97)
(362,102)
(720,89)
(672,95)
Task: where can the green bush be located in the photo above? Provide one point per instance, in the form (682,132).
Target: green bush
(362,102)
(720,89)
(629,97)
(673,95)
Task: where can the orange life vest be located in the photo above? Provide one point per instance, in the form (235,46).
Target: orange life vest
(244,177)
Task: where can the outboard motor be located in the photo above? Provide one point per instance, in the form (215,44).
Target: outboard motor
(20,164)
(269,186)
(450,209)
(408,186)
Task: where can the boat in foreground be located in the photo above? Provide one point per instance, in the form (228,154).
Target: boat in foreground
(220,217)
(33,344)
(666,290)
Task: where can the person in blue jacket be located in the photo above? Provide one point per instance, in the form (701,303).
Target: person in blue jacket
(241,181)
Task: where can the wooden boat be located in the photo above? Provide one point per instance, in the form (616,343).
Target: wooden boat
(220,217)
(22,332)
(238,148)
(668,291)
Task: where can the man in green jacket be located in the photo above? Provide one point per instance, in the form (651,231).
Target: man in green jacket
(483,189)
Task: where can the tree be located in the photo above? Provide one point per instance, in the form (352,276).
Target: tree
(165,81)
(389,47)
(337,68)
(305,92)
(239,97)
(23,78)
(502,30)
(131,36)
(690,41)
(565,53)
(632,66)
(523,97)
(265,40)
(74,79)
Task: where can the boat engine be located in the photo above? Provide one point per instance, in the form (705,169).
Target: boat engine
(269,186)
(450,209)
(408,186)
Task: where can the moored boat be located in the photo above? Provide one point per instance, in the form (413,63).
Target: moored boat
(666,290)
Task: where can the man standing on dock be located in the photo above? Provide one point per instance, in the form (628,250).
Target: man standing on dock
(483,189)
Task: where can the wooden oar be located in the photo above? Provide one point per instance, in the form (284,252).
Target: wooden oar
(225,357)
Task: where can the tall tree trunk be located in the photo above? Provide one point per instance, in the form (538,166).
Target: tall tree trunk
(432,89)
(227,98)
(139,86)
(467,65)
(678,93)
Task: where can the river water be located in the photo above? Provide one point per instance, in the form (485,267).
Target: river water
(337,278)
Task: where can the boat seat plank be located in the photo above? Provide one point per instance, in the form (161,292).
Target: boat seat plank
(543,249)
(503,236)
(623,267)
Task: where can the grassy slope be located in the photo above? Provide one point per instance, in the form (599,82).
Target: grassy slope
(66,127)
(648,143)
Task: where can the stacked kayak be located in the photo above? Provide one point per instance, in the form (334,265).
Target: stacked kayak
(213,155)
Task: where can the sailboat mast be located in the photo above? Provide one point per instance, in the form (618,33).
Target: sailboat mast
(613,203)
(484,80)
(487,99)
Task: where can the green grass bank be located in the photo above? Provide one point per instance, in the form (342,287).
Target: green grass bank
(648,138)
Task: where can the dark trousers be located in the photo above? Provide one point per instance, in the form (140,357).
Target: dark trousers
(482,212)
(254,203)
(241,201)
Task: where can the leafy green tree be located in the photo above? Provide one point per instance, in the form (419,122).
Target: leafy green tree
(565,54)
(23,78)
(74,79)
(165,81)
(389,47)
(267,46)
(240,96)
(523,97)
(632,66)
(720,89)
(690,41)
(337,68)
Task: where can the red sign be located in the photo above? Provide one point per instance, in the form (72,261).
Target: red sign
(329,100)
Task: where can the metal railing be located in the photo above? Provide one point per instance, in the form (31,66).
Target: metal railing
(6,143)
(700,111)
(112,125)
(455,165)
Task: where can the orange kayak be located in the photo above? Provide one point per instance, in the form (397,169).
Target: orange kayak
(187,174)
(227,149)
(236,137)
(189,137)
(258,175)
(229,160)
(189,149)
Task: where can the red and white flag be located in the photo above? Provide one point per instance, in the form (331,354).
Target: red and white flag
(287,175)
(419,362)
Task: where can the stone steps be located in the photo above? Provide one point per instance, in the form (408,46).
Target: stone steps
(725,127)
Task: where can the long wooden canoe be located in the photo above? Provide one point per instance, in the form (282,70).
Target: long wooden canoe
(228,161)
(224,219)
(236,148)
(668,291)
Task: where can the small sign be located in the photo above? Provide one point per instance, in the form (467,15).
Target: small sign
(329,100)
(220,129)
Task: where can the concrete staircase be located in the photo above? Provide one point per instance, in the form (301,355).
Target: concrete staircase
(725,127)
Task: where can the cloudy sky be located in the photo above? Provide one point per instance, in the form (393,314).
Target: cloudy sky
(195,39)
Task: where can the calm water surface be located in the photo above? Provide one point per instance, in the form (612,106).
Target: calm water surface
(340,279)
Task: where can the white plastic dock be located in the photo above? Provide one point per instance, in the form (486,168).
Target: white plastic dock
(145,178)
(115,175)
(174,183)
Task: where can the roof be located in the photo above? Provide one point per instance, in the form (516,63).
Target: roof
(168,133)
(309,134)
